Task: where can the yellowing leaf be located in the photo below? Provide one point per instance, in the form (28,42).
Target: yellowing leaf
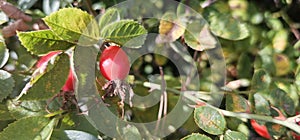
(236,103)
(170,28)
(282,64)
(209,120)
(199,37)
(280,40)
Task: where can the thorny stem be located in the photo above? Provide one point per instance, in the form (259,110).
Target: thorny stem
(287,123)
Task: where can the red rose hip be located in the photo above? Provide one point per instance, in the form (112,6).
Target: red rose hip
(114,63)
(44,60)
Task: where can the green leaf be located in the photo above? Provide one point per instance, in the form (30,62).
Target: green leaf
(78,122)
(3,18)
(74,25)
(244,66)
(111,15)
(280,98)
(4,113)
(236,103)
(130,132)
(280,40)
(261,104)
(127,33)
(7,84)
(297,75)
(28,129)
(42,42)
(72,135)
(196,136)
(51,82)
(261,80)
(275,129)
(26,108)
(266,56)
(223,25)
(209,120)
(199,37)
(4,54)
(234,135)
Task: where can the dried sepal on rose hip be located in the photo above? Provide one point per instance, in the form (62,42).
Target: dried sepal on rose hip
(114,66)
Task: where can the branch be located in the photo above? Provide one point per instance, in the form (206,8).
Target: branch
(196,99)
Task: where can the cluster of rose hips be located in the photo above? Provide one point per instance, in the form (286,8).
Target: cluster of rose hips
(114,66)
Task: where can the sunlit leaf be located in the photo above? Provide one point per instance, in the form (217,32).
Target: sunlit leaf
(223,25)
(3,18)
(170,28)
(209,120)
(74,25)
(127,33)
(42,42)
(29,128)
(7,84)
(166,23)
(4,54)
(239,9)
(111,15)
(234,135)
(199,37)
(51,82)
(72,135)
(280,40)
(282,64)
(236,103)
(196,136)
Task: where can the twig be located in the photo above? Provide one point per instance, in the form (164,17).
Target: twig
(88,4)
(287,123)
(163,101)
(291,24)
(189,77)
